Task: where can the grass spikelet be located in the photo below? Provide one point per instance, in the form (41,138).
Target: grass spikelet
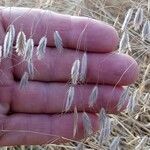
(1,53)
(24,80)
(80,147)
(127,19)
(146,31)
(105,132)
(124,42)
(142,143)
(70,98)
(7,44)
(83,70)
(102,118)
(145,86)
(29,50)
(75,71)
(138,18)
(93,96)
(21,43)
(75,121)
(123,98)
(147,71)
(115,143)
(87,124)
(132,102)
(30,68)
(41,48)
(58,41)
(12,31)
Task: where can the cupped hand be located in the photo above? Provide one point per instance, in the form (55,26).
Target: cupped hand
(33,115)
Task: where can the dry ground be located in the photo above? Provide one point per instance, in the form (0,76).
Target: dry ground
(131,127)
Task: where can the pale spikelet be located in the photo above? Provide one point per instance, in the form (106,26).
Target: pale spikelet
(7,44)
(41,48)
(127,19)
(145,87)
(75,71)
(30,68)
(146,74)
(138,18)
(21,43)
(93,96)
(80,147)
(142,143)
(87,124)
(70,98)
(75,121)
(12,31)
(105,132)
(148,5)
(102,118)
(24,80)
(132,102)
(115,143)
(58,41)
(124,42)
(83,69)
(29,50)
(123,98)
(146,31)
(0,53)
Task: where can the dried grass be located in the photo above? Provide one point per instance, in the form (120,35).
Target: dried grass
(131,127)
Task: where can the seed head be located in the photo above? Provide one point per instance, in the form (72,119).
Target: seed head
(70,98)
(83,70)
(24,80)
(115,143)
(146,31)
(41,48)
(58,41)
(87,124)
(93,96)
(138,18)
(127,19)
(75,71)
(21,43)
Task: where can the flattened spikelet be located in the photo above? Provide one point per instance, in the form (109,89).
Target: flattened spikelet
(58,41)
(142,143)
(21,43)
(75,121)
(41,48)
(80,147)
(7,44)
(83,70)
(93,96)
(70,98)
(87,124)
(24,80)
(127,19)
(124,42)
(105,132)
(146,31)
(75,71)
(123,99)
(0,53)
(138,18)
(30,68)
(102,118)
(29,50)
(115,143)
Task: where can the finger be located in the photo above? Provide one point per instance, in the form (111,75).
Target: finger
(25,129)
(39,97)
(102,68)
(90,34)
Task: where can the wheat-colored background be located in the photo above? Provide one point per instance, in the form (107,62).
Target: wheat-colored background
(131,127)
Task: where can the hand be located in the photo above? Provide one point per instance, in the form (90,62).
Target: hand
(34,115)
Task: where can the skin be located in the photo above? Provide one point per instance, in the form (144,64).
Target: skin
(34,115)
